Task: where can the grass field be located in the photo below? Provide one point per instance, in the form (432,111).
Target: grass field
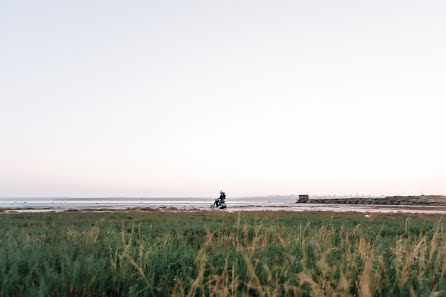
(221,254)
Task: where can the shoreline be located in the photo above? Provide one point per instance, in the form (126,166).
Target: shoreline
(333,208)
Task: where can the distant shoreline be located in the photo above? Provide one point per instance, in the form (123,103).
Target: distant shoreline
(295,208)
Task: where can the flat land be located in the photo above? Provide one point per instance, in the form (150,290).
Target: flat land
(221,254)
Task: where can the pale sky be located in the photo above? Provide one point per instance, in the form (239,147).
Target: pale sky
(184,98)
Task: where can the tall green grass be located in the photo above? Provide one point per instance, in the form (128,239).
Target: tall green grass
(220,254)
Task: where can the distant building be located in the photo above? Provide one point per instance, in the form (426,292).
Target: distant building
(303,198)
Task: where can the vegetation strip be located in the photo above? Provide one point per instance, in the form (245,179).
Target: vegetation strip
(221,254)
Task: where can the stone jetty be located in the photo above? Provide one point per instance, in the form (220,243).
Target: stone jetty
(432,200)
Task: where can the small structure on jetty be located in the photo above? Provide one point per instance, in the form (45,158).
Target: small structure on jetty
(303,198)
(390,200)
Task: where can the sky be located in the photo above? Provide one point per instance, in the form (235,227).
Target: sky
(184,98)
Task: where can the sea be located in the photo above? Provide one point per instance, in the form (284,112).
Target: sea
(62,203)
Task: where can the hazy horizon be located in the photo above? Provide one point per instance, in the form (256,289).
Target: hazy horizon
(185,197)
(184,98)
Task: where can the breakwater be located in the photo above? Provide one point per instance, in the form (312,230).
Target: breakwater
(390,200)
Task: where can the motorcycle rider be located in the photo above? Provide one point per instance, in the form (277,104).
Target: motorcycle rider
(221,199)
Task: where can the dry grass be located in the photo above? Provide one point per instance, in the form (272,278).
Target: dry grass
(360,270)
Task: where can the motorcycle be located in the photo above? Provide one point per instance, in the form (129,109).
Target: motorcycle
(216,204)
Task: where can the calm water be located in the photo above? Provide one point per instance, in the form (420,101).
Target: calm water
(123,203)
